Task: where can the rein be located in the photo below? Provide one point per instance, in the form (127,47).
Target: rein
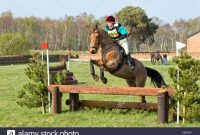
(112,44)
(106,48)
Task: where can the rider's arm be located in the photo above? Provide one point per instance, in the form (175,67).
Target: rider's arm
(123,32)
(122,37)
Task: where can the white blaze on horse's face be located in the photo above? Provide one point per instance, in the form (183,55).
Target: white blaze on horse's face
(94,40)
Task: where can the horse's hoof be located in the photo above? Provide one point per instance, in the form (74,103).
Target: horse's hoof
(104,80)
(96,78)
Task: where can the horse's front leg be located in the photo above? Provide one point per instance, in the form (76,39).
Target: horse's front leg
(103,79)
(92,71)
(154,61)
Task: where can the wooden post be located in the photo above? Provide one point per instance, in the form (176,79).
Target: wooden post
(56,101)
(74,101)
(163,106)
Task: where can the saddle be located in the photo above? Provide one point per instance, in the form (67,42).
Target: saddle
(124,56)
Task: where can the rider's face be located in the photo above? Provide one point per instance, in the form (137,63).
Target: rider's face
(110,24)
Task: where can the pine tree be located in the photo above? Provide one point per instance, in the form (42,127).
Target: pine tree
(34,93)
(188,93)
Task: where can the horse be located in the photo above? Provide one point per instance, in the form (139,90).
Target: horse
(112,60)
(155,56)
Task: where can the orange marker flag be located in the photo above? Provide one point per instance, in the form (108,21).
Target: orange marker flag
(44,45)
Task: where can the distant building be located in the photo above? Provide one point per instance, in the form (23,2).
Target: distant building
(193,43)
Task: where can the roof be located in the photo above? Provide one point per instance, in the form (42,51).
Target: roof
(193,34)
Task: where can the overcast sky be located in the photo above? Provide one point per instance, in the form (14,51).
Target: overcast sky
(166,10)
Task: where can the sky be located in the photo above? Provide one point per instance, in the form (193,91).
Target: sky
(166,10)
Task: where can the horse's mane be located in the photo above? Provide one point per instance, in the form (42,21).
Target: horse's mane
(104,34)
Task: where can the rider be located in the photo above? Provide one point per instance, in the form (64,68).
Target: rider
(119,34)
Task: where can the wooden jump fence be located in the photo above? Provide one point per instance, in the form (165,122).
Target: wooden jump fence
(75,103)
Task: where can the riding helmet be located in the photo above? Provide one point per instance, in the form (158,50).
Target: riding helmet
(110,19)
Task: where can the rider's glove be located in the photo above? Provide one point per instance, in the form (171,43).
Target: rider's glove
(116,40)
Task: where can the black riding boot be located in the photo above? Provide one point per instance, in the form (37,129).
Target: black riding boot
(131,62)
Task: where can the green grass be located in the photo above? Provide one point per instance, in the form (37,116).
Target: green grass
(61,52)
(11,115)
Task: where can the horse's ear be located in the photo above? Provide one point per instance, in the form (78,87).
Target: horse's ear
(96,26)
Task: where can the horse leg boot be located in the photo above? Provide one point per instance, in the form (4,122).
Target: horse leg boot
(103,79)
(131,62)
(92,71)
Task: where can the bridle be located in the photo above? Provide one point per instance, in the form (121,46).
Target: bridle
(100,44)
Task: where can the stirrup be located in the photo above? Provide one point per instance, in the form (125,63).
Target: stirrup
(131,66)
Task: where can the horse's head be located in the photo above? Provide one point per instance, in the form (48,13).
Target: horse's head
(95,39)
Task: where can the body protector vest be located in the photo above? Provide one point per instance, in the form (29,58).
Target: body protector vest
(117,31)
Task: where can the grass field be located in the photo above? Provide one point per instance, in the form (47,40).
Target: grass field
(11,115)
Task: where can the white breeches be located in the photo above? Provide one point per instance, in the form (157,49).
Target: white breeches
(125,45)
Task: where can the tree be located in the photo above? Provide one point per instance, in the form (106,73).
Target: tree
(7,22)
(14,44)
(181,27)
(141,27)
(164,37)
(58,32)
(188,93)
(34,93)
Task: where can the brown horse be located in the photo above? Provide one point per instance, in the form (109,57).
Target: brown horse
(112,60)
(155,56)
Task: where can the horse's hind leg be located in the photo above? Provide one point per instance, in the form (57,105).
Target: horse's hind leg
(133,83)
(92,71)
(151,60)
(103,79)
(141,83)
(142,99)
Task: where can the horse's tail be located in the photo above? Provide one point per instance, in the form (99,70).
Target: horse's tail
(156,77)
